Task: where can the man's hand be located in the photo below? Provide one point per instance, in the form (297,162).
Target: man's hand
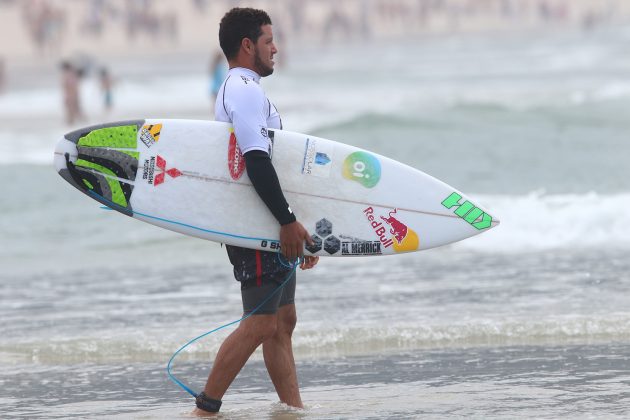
(292,237)
(309,262)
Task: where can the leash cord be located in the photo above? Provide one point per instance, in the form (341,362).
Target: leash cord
(170,362)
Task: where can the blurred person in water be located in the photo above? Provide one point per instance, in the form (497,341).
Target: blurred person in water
(217,72)
(70,87)
(3,77)
(106,83)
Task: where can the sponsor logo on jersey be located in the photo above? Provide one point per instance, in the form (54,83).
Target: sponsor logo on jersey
(236,161)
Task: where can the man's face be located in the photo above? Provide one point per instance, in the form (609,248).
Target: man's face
(264,50)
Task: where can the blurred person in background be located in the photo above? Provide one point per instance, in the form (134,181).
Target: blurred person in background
(46,23)
(3,75)
(246,38)
(70,85)
(106,83)
(217,71)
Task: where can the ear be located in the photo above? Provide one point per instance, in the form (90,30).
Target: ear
(248,46)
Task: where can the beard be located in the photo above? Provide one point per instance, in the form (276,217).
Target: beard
(261,68)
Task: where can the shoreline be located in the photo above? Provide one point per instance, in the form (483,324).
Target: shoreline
(25,74)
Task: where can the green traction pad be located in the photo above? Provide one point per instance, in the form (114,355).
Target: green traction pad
(123,164)
(123,137)
(118,196)
(135,155)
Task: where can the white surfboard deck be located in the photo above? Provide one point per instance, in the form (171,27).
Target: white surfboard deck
(189,176)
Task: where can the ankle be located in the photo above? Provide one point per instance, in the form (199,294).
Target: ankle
(208,404)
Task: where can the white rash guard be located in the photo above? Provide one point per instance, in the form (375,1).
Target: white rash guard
(242,102)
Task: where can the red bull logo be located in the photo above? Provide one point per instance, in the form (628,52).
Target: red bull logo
(398,229)
(402,237)
(378,227)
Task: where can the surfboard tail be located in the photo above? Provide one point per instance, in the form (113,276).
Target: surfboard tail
(102,162)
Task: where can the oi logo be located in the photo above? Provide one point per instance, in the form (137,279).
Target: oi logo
(363,168)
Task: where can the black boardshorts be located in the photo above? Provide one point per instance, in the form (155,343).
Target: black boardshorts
(260,274)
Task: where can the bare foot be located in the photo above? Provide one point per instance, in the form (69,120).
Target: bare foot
(203,413)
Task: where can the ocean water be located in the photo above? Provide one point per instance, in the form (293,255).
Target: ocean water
(529,320)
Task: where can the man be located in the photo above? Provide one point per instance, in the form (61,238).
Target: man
(246,38)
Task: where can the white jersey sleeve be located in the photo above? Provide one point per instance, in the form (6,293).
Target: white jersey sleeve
(242,102)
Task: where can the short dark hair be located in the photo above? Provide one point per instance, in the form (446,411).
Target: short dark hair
(240,23)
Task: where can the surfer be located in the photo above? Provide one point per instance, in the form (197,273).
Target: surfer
(246,38)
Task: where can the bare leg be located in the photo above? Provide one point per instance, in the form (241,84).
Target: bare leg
(235,351)
(278,354)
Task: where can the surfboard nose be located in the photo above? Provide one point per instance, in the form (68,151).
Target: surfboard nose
(62,148)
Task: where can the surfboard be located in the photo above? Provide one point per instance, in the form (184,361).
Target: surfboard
(189,176)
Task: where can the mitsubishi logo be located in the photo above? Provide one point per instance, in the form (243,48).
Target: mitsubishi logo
(161,171)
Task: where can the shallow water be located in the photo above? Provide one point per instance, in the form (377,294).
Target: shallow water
(529,320)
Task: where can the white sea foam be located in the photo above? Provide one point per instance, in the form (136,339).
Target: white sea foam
(537,221)
(319,340)
(529,223)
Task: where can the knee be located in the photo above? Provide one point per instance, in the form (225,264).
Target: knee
(287,322)
(262,330)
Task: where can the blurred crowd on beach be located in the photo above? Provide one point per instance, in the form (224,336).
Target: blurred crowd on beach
(48,23)
(41,27)
(75,37)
